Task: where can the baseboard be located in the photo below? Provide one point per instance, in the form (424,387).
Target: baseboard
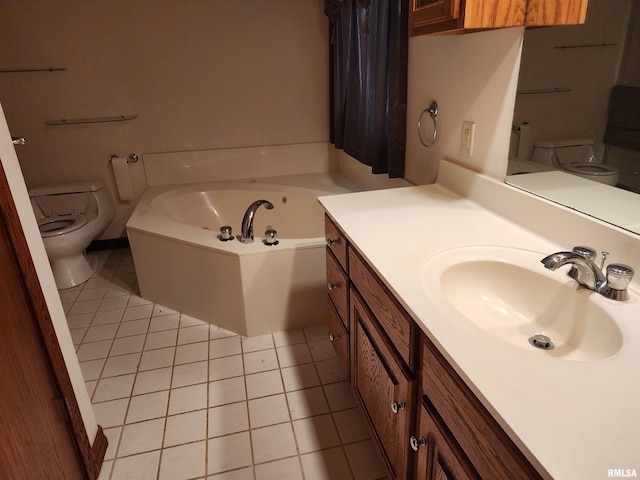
(108,244)
(98,451)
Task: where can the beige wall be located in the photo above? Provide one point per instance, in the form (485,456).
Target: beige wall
(210,74)
(199,74)
(473,78)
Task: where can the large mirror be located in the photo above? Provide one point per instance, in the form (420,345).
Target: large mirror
(578,102)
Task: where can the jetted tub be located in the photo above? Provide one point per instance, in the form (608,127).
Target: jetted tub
(250,289)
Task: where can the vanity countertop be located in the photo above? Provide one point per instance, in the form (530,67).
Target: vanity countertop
(572,419)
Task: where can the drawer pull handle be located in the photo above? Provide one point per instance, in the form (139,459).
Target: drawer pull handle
(396,407)
(417,443)
(332,337)
(331,286)
(331,241)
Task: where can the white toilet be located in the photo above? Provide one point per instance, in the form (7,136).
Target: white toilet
(574,156)
(70,216)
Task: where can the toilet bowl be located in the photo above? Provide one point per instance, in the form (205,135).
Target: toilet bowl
(574,156)
(70,216)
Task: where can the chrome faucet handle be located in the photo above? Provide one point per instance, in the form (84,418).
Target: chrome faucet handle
(619,277)
(578,273)
(586,252)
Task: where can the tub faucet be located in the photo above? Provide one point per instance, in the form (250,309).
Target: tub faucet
(247,220)
(585,271)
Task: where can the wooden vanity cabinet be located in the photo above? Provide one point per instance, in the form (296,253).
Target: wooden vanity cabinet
(460,16)
(405,386)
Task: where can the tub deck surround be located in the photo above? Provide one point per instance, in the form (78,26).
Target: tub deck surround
(252,288)
(572,419)
(233,163)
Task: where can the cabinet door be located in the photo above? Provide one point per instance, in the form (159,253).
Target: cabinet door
(384,385)
(439,457)
(427,16)
(434,11)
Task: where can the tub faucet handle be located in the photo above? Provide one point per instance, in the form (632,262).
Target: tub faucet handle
(226,233)
(271,237)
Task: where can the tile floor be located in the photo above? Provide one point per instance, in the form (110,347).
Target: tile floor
(180,399)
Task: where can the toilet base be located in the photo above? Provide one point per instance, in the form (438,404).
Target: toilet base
(71,271)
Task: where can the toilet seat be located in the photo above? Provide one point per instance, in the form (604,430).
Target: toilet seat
(594,171)
(60,224)
(588,168)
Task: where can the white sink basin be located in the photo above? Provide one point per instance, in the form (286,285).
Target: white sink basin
(507,293)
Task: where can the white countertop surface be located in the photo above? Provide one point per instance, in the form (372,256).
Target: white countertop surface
(572,419)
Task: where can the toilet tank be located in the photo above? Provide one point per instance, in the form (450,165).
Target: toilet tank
(64,198)
(563,151)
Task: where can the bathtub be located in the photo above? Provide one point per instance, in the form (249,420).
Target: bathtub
(250,289)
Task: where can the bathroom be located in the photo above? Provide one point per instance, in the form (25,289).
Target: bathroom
(140,59)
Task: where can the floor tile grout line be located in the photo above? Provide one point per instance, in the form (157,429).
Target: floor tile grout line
(307,335)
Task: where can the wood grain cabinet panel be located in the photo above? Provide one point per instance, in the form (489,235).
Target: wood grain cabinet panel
(385,387)
(489,448)
(396,324)
(556,12)
(438,455)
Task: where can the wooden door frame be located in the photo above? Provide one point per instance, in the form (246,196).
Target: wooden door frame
(91,455)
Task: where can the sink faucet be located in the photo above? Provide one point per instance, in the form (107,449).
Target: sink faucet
(585,271)
(247,220)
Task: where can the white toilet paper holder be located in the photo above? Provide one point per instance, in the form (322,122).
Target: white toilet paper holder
(132,158)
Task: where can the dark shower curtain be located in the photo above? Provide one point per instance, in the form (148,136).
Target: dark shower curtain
(368,83)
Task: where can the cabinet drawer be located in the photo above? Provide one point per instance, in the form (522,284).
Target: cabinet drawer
(336,242)
(385,308)
(487,446)
(339,337)
(338,288)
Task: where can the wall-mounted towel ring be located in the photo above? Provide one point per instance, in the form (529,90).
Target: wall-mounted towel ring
(432,110)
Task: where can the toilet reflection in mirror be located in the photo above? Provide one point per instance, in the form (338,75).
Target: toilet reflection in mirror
(573,156)
(577,107)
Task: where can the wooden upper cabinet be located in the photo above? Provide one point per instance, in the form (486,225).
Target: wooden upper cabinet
(460,16)
(556,12)
(456,16)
